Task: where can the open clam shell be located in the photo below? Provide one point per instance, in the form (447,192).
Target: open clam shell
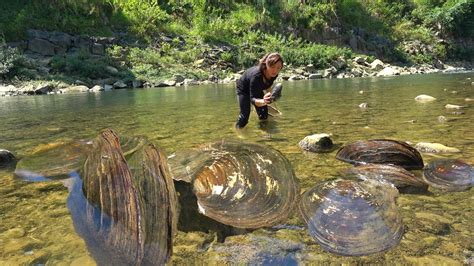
(449,174)
(352,218)
(57,160)
(53,162)
(245,185)
(381,151)
(396,175)
(127,214)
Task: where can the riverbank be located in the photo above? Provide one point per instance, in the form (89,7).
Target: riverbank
(56,62)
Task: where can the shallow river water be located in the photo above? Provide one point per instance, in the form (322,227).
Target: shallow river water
(36,226)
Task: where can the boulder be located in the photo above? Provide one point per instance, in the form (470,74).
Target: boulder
(453,106)
(377,65)
(316,143)
(80,88)
(6,158)
(315,76)
(424,98)
(388,71)
(41,46)
(120,85)
(434,148)
(97,88)
(360,60)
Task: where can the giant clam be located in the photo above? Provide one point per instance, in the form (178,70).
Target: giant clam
(137,201)
(125,205)
(396,175)
(381,151)
(243,185)
(59,159)
(449,175)
(352,218)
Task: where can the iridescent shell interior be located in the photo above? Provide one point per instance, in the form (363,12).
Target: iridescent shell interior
(352,218)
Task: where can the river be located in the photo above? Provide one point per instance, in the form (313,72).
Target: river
(36,227)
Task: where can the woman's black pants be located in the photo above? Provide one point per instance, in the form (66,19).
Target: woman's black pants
(244,103)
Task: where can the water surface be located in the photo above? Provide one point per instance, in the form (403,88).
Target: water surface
(36,226)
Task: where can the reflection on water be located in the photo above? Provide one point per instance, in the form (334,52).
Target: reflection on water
(36,226)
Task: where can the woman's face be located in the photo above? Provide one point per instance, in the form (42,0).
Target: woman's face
(273,70)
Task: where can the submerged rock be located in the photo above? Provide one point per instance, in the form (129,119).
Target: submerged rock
(6,158)
(317,143)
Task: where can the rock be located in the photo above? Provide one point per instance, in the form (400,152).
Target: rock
(295,77)
(388,71)
(43,88)
(6,158)
(377,65)
(315,76)
(328,72)
(442,119)
(98,49)
(97,88)
(359,60)
(178,78)
(79,88)
(339,63)
(119,85)
(137,83)
(199,62)
(80,82)
(363,105)
(111,69)
(108,87)
(424,98)
(61,39)
(316,143)
(42,47)
(166,83)
(469,99)
(453,106)
(435,148)
(190,82)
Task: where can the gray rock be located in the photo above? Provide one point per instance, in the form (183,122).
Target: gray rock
(120,85)
(453,106)
(43,88)
(37,34)
(316,143)
(6,158)
(363,105)
(360,60)
(315,76)
(61,39)
(137,83)
(108,87)
(111,69)
(178,78)
(97,49)
(329,72)
(388,71)
(41,46)
(377,65)
(79,88)
(339,63)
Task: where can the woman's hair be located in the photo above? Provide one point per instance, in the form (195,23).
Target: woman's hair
(269,59)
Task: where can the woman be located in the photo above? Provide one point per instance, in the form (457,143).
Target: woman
(253,83)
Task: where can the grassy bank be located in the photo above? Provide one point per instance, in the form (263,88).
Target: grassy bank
(247,29)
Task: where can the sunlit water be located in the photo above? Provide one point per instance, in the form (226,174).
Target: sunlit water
(36,226)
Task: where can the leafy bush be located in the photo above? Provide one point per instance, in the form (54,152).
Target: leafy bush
(10,61)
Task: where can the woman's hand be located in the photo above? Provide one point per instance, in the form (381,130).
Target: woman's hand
(260,102)
(267,97)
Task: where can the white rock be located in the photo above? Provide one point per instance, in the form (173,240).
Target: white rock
(434,148)
(453,106)
(424,98)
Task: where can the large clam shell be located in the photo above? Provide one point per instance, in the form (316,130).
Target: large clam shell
(396,175)
(127,214)
(381,151)
(53,161)
(449,174)
(57,160)
(245,185)
(352,218)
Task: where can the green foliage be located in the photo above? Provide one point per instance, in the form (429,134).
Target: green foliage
(10,61)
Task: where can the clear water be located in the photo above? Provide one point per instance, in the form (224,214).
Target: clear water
(36,226)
